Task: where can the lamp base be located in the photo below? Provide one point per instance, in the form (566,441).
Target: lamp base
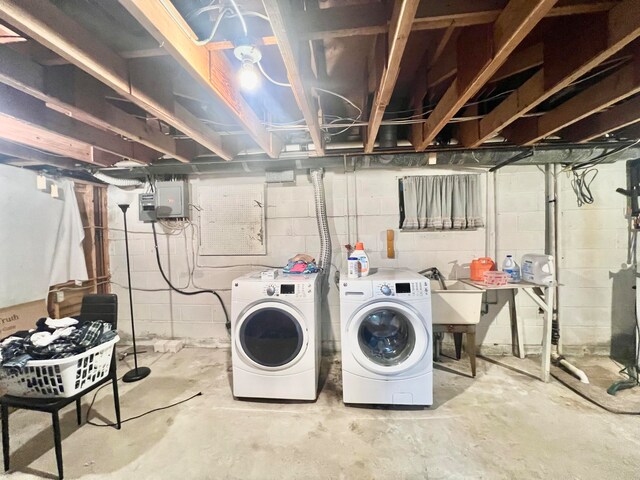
(136,374)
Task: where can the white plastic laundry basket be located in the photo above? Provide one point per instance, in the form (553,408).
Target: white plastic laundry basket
(60,378)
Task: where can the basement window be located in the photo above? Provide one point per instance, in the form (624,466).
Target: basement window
(440,202)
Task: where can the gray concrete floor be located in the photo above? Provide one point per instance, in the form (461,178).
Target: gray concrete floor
(502,425)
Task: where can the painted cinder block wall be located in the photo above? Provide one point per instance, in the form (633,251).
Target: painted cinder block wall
(362,205)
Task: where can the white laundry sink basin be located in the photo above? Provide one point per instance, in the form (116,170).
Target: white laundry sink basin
(459,304)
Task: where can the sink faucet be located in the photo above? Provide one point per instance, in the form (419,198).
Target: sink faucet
(434,274)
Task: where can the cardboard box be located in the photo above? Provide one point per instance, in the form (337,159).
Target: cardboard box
(21,317)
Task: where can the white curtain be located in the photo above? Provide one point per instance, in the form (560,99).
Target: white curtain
(442,202)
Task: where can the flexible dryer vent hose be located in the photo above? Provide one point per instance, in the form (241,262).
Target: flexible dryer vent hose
(118,182)
(321,217)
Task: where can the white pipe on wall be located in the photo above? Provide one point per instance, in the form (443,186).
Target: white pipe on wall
(556,250)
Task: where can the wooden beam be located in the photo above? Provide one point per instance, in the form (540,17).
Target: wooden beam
(579,47)
(26,109)
(607,92)
(481,52)
(520,61)
(80,96)
(402,17)
(9,36)
(34,157)
(209,68)
(14,130)
(290,49)
(445,37)
(632,131)
(617,117)
(372,19)
(228,45)
(53,29)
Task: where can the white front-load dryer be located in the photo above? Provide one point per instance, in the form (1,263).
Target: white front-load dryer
(275,336)
(386,338)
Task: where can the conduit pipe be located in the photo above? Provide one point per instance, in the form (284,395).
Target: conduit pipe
(324,262)
(553,247)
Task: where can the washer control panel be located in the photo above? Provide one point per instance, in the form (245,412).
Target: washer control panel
(297,290)
(401,289)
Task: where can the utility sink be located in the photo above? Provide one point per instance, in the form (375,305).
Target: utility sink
(459,304)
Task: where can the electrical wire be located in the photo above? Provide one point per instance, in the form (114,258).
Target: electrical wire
(244,24)
(135,417)
(584,174)
(182,292)
(581,185)
(349,102)
(214,30)
(275,82)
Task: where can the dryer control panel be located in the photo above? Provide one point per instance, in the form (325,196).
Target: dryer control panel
(414,289)
(289,290)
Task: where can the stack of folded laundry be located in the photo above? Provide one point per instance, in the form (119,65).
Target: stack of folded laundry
(300,264)
(53,338)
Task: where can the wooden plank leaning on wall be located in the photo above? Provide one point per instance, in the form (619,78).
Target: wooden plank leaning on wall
(92,202)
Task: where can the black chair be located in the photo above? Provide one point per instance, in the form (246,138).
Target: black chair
(94,307)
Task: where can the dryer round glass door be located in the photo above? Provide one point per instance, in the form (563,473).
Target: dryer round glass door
(271,335)
(388,337)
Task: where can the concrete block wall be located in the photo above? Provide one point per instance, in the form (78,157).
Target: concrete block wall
(362,205)
(596,294)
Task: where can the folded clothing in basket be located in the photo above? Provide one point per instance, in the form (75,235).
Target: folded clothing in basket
(70,341)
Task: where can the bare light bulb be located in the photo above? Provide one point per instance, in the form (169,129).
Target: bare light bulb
(248,76)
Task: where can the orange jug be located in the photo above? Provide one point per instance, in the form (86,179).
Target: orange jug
(479,266)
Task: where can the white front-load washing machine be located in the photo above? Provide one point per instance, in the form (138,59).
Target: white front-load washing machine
(386,338)
(276,336)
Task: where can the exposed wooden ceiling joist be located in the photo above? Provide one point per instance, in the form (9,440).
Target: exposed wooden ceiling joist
(609,91)
(632,131)
(521,61)
(402,17)
(291,51)
(210,68)
(49,26)
(582,45)
(26,109)
(81,97)
(17,131)
(432,14)
(617,117)
(481,52)
(20,155)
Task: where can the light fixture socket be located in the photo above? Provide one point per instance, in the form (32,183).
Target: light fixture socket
(247,53)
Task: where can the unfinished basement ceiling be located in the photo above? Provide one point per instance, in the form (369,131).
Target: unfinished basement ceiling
(88,83)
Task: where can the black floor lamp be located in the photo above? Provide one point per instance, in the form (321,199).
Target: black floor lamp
(138,373)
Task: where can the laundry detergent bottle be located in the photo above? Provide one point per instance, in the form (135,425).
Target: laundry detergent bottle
(512,268)
(362,257)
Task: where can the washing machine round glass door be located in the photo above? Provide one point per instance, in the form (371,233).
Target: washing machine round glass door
(388,337)
(271,335)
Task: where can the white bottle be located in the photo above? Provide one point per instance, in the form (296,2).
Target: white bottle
(360,254)
(512,268)
(353,265)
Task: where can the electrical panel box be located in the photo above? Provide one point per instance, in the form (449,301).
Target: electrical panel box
(169,200)
(147,207)
(172,199)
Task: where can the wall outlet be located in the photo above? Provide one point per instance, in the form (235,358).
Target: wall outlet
(59,297)
(41,183)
